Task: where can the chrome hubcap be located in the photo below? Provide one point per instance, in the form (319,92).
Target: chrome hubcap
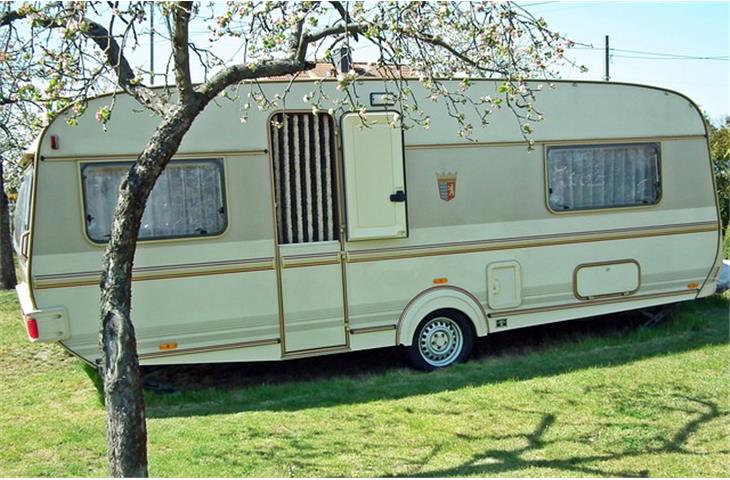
(440,341)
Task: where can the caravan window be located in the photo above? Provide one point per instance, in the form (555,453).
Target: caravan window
(188,200)
(21,219)
(582,177)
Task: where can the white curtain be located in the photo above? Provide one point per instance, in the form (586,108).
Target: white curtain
(187,200)
(603,176)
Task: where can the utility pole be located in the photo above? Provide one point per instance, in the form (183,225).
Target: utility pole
(607,77)
(152,43)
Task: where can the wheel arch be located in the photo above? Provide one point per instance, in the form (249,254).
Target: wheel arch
(445,297)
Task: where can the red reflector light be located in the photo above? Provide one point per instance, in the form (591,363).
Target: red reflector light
(54,142)
(32,326)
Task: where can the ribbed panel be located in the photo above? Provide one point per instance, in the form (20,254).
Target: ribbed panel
(303,156)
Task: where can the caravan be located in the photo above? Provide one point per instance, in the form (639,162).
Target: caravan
(299,233)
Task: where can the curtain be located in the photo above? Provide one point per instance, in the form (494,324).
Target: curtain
(187,200)
(603,176)
(302,146)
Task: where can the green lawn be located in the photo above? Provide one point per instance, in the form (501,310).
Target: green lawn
(578,401)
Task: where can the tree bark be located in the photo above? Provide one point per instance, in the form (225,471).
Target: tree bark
(126,428)
(7,266)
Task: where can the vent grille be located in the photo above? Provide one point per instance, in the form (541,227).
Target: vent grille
(304,177)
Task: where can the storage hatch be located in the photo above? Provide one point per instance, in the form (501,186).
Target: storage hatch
(504,285)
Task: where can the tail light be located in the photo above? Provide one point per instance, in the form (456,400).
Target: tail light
(32,327)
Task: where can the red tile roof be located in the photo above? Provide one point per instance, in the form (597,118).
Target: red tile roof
(326,70)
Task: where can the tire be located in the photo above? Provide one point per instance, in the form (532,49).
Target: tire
(443,338)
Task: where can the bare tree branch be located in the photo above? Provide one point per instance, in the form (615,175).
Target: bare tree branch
(345,16)
(7,18)
(113,54)
(125,75)
(351,28)
(181,53)
(237,73)
(437,42)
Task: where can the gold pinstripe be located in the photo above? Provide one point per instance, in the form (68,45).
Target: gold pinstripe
(212,348)
(453,248)
(590,303)
(161,275)
(525,242)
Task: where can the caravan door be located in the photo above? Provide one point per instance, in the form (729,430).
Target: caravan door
(372,147)
(310,266)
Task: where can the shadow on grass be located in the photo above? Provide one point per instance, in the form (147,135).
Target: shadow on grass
(373,375)
(492,462)
(96,380)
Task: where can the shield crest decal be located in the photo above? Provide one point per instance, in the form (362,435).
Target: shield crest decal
(447,185)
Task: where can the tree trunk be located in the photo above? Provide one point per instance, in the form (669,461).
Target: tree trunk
(7,266)
(126,428)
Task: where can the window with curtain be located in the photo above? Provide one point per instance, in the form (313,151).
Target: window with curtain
(188,200)
(582,177)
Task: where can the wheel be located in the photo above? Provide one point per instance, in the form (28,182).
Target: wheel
(442,338)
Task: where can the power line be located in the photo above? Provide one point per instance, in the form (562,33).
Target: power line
(536,4)
(673,55)
(670,58)
(655,55)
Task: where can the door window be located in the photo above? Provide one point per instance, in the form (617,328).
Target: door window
(303,149)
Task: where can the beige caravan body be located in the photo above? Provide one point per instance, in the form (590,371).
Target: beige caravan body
(318,236)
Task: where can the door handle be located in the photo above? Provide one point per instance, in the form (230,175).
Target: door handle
(398,196)
(24,242)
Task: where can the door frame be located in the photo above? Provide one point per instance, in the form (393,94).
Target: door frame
(338,199)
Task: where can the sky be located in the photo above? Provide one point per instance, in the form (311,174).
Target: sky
(653,43)
(661,31)
(691,29)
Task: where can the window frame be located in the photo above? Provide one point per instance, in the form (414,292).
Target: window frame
(598,144)
(220,163)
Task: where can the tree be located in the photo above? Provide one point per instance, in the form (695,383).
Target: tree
(67,51)
(18,124)
(22,114)
(7,266)
(8,153)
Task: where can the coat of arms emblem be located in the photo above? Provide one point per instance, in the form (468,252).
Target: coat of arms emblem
(447,185)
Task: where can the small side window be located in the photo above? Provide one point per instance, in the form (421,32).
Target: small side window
(584,177)
(188,200)
(21,218)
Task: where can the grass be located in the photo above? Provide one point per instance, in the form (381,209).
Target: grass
(598,398)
